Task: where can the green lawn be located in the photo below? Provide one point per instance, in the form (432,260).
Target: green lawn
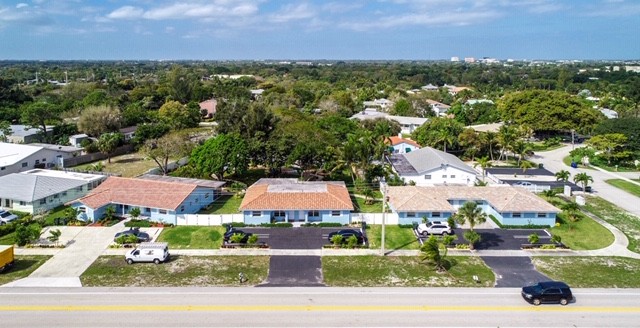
(55,213)
(23,266)
(8,239)
(180,271)
(193,237)
(127,165)
(627,223)
(395,237)
(403,271)
(591,272)
(360,206)
(226,204)
(627,186)
(567,162)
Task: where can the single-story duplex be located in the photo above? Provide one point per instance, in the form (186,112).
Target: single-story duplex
(37,191)
(509,205)
(429,166)
(160,199)
(16,158)
(290,200)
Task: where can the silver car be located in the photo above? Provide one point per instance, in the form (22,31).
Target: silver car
(6,217)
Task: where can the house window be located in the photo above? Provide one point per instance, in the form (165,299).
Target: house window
(44,159)
(542,215)
(82,209)
(427,177)
(37,161)
(126,207)
(197,200)
(147,210)
(444,176)
(25,164)
(256,213)
(162,211)
(435,214)
(517,215)
(314,213)
(335,213)
(453,176)
(64,194)
(479,202)
(56,195)
(182,208)
(2,168)
(23,203)
(43,201)
(279,214)
(206,195)
(411,214)
(79,188)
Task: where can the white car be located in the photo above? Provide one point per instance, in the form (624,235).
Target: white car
(434,228)
(6,217)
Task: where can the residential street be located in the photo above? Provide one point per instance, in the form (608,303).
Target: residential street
(310,307)
(552,161)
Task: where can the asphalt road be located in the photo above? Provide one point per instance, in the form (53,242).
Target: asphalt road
(310,307)
(513,271)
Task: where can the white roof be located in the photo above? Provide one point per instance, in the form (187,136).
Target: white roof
(37,184)
(11,154)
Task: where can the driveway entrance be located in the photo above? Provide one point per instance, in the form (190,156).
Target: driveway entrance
(513,271)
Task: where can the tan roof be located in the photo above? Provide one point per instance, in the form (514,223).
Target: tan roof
(503,198)
(398,140)
(290,194)
(138,192)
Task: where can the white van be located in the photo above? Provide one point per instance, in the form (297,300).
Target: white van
(148,252)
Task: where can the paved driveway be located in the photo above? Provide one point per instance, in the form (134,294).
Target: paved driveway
(293,238)
(294,271)
(513,271)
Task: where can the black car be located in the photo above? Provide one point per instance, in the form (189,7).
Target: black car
(346,233)
(141,235)
(232,231)
(547,292)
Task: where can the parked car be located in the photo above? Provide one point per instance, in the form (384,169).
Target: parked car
(148,252)
(141,235)
(547,292)
(523,184)
(346,234)
(434,228)
(233,231)
(6,217)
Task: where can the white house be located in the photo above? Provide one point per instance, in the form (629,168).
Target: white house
(429,167)
(77,139)
(382,103)
(407,124)
(439,108)
(16,158)
(402,146)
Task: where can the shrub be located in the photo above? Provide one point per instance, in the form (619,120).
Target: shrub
(462,246)
(27,234)
(138,223)
(556,239)
(472,237)
(337,240)
(352,241)
(548,246)
(277,225)
(405,226)
(534,238)
(236,238)
(252,239)
(127,239)
(7,229)
(323,224)
(238,224)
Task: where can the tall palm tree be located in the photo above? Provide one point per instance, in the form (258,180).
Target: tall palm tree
(472,214)
(490,139)
(525,165)
(445,137)
(583,179)
(507,135)
(563,175)
(522,149)
(484,163)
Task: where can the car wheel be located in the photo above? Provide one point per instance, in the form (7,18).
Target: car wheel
(425,234)
(536,301)
(129,261)
(156,261)
(445,233)
(564,301)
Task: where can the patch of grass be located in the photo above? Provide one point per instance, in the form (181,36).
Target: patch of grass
(192,237)
(403,271)
(395,237)
(627,186)
(179,271)
(567,162)
(55,213)
(23,266)
(591,272)
(8,239)
(360,206)
(621,219)
(127,165)
(226,204)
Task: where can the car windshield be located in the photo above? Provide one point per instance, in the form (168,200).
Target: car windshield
(5,214)
(537,288)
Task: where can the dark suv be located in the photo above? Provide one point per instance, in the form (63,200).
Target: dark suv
(232,231)
(547,292)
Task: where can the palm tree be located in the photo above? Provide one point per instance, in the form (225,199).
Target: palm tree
(490,139)
(563,175)
(522,148)
(525,165)
(431,254)
(506,137)
(484,163)
(445,137)
(583,179)
(472,214)
(571,209)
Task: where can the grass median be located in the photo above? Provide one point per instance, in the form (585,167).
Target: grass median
(627,186)
(395,237)
(621,219)
(179,271)
(193,237)
(403,271)
(23,266)
(591,272)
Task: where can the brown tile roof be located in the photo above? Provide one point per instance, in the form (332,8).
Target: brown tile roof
(138,192)
(503,198)
(289,194)
(398,140)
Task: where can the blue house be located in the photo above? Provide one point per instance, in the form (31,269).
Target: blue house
(509,205)
(290,200)
(160,199)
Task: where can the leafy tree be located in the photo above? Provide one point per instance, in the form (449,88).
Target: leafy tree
(27,234)
(39,114)
(135,212)
(178,116)
(403,107)
(611,146)
(489,140)
(629,127)
(183,85)
(563,175)
(109,142)
(484,163)
(470,213)
(583,179)
(165,148)
(150,131)
(336,240)
(5,130)
(438,132)
(96,120)
(470,141)
(226,153)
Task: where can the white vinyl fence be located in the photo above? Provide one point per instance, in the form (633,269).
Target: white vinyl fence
(208,219)
(374,218)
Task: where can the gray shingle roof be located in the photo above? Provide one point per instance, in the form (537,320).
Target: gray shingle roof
(426,159)
(28,188)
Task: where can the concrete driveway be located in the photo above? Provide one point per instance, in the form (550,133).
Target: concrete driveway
(514,271)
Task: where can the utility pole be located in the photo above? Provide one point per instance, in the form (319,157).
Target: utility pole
(572,139)
(384,211)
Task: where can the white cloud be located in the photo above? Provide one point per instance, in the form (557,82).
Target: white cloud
(292,13)
(21,5)
(341,7)
(424,19)
(126,12)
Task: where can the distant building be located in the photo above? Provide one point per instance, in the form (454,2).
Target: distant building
(24,134)
(472,102)
(439,108)
(430,87)
(208,108)
(407,124)
(469,60)
(16,158)
(429,166)
(382,103)
(129,132)
(609,113)
(455,59)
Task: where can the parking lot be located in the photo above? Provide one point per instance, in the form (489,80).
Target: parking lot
(293,238)
(501,239)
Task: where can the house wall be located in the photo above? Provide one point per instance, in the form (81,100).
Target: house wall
(527,218)
(461,177)
(297,216)
(46,156)
(404,218)
(53,201)
(402,148)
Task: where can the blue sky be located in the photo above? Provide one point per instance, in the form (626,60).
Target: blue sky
(349,29)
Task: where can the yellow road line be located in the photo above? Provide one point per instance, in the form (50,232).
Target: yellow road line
(316,308)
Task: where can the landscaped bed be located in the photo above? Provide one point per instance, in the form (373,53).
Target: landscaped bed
(23,266)
(403,271)
(179,271)
(591,272)
(193,237)
(395,237)
(627,223)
